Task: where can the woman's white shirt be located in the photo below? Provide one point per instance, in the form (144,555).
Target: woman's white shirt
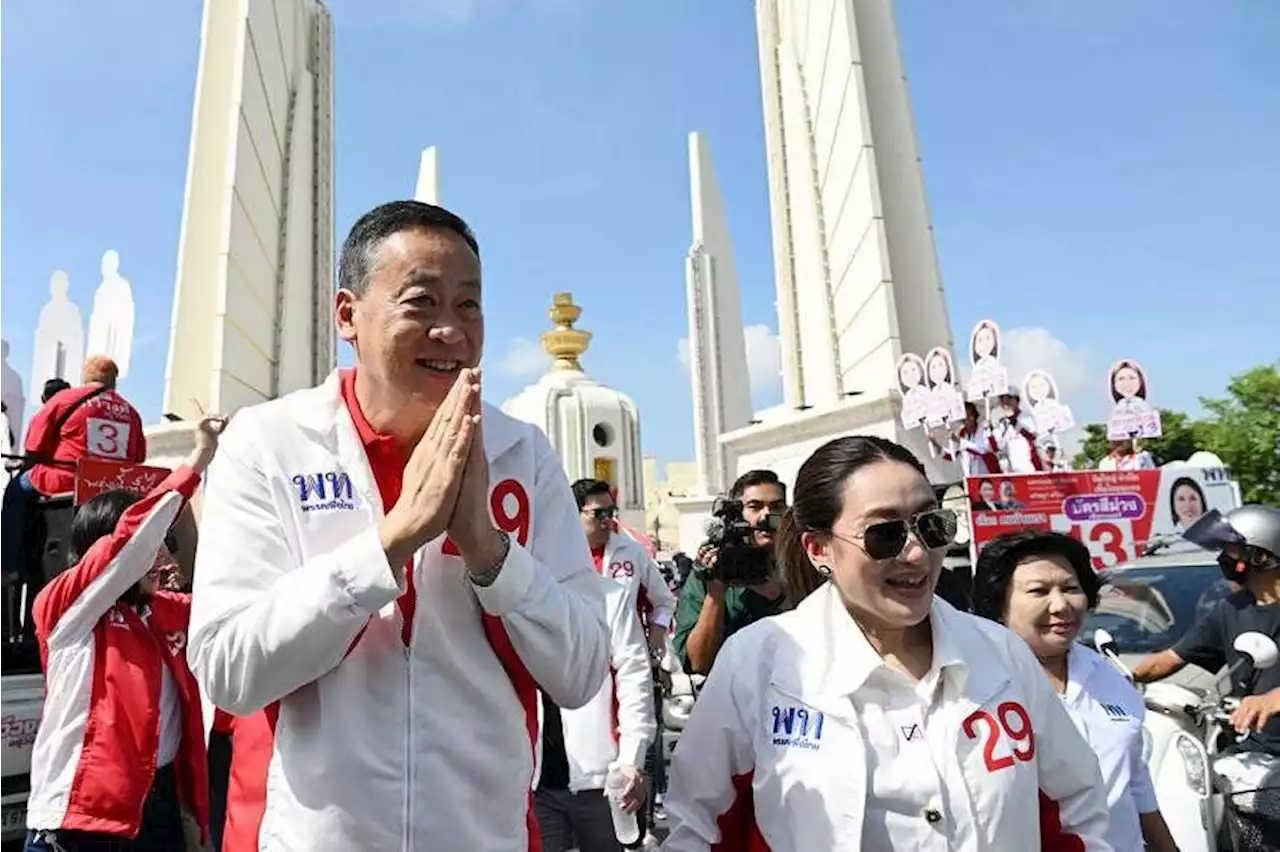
(839,752)
(1108,711)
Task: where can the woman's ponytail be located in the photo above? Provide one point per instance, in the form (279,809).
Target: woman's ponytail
(799,577)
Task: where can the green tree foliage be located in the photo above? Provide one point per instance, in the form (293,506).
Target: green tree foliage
(1243,429)
(1177,442)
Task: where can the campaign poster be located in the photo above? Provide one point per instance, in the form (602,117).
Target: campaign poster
(946,403)
(1040,393)
(96,476)
(1132,414)
(915,394)
(989,377)
(1115,513)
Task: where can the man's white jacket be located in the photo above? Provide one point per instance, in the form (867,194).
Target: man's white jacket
(774,757)
(618,724)
(379,745)
(627,562)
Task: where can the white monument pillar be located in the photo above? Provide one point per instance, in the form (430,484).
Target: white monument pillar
(428,189)
(111,322)
(717,348)
(857,275)
(253,301)
(856,272)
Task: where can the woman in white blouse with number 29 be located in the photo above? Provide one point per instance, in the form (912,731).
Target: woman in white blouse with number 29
(874,716)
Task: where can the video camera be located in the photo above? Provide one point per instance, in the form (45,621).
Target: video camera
(739,561)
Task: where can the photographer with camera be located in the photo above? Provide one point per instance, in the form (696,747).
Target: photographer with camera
(733,583)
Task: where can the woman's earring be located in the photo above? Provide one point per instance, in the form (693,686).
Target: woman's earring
(824,570)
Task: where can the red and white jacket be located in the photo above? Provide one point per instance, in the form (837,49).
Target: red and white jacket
(625,561)
(618,724)
(783,745)
(378,712)
(98,745)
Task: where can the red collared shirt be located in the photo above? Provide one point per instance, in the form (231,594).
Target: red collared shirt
(387,461)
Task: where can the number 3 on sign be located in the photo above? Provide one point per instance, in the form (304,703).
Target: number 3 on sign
(106,439)
(1110,543)
(1011,719)
(512,513)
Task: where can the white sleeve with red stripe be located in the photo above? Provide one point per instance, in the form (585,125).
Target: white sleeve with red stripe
(659,593)
(262,625)
(1067,765)
(715,764)
(633,683)
(68,607)
(548,595)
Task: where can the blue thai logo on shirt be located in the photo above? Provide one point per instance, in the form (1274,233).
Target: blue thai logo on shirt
(324,492)
(1116,712)
(796,726)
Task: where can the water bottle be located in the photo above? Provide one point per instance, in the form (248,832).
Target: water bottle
(625,827)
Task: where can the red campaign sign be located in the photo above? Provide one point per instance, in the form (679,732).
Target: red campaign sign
(96,476)
(1115,513)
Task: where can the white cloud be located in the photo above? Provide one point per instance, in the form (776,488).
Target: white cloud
(524,359)
(1080,376)
(764,362)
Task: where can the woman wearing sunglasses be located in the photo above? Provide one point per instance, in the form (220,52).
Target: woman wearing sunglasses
(872,716)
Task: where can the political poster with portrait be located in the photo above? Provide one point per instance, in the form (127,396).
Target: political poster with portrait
(988,378)
(1040,393)
(1116,513)
(915,394)
(946,403)
(1132,414)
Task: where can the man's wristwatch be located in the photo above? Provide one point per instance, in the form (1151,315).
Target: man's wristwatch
(490,574)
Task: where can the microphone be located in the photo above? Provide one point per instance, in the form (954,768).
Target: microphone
(713,528)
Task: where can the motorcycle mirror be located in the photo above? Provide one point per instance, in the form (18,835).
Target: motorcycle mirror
(1103,642)
(1258,647)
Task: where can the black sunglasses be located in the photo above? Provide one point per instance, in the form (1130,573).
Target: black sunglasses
(601,514)
(884,540)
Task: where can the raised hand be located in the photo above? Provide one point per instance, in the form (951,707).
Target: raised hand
(433,474)
(208,431)
(471,527)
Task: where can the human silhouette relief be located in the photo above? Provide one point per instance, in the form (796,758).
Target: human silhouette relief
(15,401)
(111,323)
(59,347)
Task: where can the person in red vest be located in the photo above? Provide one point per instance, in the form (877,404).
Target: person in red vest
(90,420)
(119,758)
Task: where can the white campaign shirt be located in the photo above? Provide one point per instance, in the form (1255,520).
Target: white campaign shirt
(1108,711)
(803,735)
(170,720)
(170,712)
(914,788)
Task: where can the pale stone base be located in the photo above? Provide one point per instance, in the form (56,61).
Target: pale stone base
(694,513)
(783,444)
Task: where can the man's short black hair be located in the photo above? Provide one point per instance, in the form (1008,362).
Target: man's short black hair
(756,477)
(1001,557)
(584,488)
(381,222)
(53,386)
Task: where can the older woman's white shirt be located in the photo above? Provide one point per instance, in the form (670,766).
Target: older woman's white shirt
(1108,711)
(840,753)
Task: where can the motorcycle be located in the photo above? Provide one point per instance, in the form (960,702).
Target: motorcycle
(1182,734)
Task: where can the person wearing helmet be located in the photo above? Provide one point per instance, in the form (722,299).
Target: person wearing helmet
(1248,542)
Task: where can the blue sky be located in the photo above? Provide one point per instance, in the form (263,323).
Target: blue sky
(1102,176)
